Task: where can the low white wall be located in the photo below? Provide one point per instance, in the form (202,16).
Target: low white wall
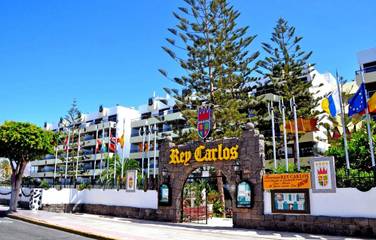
(112,197)
(346,202)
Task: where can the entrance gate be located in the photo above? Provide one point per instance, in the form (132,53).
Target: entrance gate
(238,159)
(201,198)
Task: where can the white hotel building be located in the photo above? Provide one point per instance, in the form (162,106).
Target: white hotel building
(159,112)
(91,127)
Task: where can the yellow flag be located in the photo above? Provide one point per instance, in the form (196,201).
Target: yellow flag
(372,103)
(121,141)
(325,105)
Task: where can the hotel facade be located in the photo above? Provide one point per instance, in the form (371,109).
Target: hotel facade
(81,156)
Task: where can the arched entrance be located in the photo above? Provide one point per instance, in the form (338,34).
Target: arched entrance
(177,163)
(206,198)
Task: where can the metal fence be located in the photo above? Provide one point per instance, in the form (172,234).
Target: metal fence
(363,181)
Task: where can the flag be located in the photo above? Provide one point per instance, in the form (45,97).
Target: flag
(372,104)
(304,125)
(66,147)
(112,143)
(331,104)
(358,103)
(145,147)
(97,145)
(103,148)
(121,140)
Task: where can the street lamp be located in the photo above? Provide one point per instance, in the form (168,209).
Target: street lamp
(165,175)
(237,169)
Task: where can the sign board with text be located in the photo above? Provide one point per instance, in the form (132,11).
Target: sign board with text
(287,181)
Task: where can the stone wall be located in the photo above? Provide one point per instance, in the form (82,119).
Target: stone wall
(99,209)
(312,224)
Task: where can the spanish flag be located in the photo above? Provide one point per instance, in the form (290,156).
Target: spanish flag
(372,104)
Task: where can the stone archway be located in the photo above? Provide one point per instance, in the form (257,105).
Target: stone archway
(250,149)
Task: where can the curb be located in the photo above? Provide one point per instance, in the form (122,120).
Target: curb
(58,227)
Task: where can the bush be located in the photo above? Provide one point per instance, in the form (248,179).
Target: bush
(213,196)
(44,184)
(358,149)
(362,180)
(218,209)
(83,186)
(292,168)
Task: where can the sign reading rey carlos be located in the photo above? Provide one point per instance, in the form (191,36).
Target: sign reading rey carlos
(323,175)
(203,154)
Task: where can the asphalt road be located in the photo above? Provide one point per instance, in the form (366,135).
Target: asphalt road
(11,229)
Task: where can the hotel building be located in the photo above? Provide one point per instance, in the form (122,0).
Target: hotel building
(367,61)
(158,119)
(85,137)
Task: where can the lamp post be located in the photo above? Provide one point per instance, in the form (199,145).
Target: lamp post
(165,175)
(237,169)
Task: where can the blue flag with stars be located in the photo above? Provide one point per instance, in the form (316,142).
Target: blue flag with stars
(358,102)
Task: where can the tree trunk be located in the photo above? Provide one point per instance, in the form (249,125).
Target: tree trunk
(220,190)
(16,185)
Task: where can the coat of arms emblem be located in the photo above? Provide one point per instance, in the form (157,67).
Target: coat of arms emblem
(203,121)
(322,176)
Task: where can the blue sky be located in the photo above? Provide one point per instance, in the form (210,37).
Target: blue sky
(108,52)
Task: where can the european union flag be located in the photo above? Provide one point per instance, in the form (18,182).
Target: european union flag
(358,102)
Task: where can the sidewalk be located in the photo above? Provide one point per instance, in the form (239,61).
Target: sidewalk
(106,227)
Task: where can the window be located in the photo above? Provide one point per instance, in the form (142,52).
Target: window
(146,115)
(135,132)
(369,67)
(112,118)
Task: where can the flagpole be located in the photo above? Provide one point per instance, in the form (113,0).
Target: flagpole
(143,150)
(115,154)
(282,108)
(271,114)
(102,142)
(66,160)
(108,149)
(123,152)
(368,121)
(155,150)
(95,152)
(296,133)
(343,122)
(78,151)
(56,149)
(149,135)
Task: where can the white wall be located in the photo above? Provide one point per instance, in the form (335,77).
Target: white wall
(346,202)
(111,197)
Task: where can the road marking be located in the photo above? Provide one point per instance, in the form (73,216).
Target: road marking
(5,221)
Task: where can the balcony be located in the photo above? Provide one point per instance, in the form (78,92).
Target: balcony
(170,116)
(369,75)
(138,155)
(45,162)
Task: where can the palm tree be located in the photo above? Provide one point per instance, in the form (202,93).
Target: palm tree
(107,175)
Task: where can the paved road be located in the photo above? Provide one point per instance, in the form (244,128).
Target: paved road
(11,229)
(132,229)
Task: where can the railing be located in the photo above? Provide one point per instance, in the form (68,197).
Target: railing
(362,181)
(366,70)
